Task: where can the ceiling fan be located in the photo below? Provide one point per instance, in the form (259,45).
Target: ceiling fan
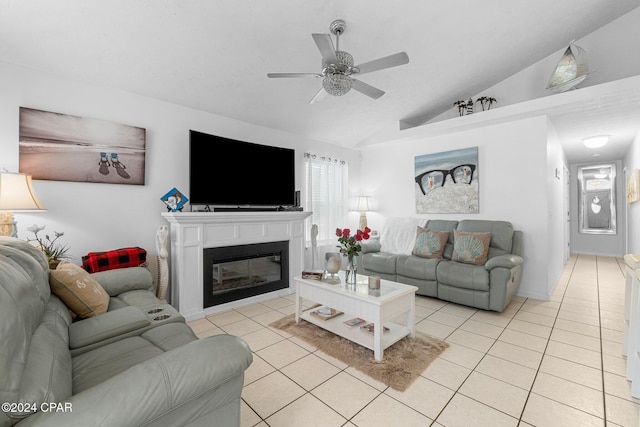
(338,69)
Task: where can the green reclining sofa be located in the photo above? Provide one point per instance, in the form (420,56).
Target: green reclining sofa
(489,286)
(136,364)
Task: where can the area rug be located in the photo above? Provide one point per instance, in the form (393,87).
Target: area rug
(402,363)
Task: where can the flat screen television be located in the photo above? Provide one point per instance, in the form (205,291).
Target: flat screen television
(231,173)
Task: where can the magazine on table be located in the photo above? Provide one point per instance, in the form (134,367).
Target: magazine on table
(325,313)
(354,322)
(369,328)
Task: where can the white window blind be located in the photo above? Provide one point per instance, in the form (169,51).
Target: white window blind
(326,194)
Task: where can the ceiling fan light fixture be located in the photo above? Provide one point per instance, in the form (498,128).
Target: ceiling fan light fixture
(337,84)
(337,66)
(596,141)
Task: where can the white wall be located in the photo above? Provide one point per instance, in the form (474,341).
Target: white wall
(609,52)
(556,187)
(599,244)
(632,162)
(513,177)
(98,217)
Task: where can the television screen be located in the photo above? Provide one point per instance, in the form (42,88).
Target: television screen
(228,172)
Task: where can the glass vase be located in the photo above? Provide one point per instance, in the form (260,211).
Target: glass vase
(351,273)
(333,262)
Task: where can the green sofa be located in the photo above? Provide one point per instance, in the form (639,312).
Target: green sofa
(489,287)
(137,364)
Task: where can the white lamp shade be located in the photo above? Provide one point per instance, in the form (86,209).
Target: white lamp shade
(362,204)
(16,193)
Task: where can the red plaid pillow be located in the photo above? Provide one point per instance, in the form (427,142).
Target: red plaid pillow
(118,258)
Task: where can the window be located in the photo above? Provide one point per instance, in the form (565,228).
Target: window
(326,194)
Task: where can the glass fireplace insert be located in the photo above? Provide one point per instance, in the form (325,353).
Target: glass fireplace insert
(233,273)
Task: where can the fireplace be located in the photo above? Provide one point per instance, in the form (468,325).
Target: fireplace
(232,273)
(193,232)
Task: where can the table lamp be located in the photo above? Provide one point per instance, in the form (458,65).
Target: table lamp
(362,206)
(16,195)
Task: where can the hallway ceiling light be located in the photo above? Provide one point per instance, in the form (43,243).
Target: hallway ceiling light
(595,141)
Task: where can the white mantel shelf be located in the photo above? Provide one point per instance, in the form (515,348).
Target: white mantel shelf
(233,217)
(191,232)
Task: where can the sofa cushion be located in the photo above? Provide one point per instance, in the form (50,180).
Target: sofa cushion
(47,372)
(78,290)
(471,248)
(98,365)
(170,336)
(462,275)
(430,243)
(139,298)
(417,267)
(379,262)
(24,295)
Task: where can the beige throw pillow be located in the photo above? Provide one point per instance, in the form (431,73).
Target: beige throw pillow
(80,292)
(430,243)
(471,248)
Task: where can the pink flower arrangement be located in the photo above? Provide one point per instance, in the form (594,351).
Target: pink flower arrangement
(350,245)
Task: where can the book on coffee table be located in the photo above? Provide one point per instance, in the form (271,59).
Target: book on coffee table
(369,328)
(313,274)
(354,322)
(325,313)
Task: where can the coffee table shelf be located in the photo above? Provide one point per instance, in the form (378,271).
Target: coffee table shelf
(375,306)
(355,334)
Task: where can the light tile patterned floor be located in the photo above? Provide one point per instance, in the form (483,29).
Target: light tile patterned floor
(539,363)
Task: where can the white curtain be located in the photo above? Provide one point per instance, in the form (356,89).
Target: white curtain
(326,196)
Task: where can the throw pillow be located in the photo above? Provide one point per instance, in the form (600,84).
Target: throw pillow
(430,243)
(80,292)
(117,258)
(471,248)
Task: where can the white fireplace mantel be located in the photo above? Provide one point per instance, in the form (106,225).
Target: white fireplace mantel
(191,232)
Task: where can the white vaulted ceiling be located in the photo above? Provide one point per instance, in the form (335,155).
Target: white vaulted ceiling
(214,55)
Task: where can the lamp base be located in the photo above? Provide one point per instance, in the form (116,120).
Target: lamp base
(8,225)
(363,221)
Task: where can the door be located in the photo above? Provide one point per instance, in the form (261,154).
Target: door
(567,213)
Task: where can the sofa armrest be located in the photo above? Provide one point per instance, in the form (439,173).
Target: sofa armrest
(121,280)
(178,386)
(505,261)
(108,325)
(371,245)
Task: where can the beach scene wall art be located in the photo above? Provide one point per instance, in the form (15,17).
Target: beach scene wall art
(447,182)
(62,147)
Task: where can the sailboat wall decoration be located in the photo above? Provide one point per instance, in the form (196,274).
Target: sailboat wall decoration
(571,70)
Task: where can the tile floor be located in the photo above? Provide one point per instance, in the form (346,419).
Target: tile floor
(539,363)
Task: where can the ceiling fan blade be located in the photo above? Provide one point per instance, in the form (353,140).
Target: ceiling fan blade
(367,89)
(325,46)
(319,96)
(382,63)
(286,75)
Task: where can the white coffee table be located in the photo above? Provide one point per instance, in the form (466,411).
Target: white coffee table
(375,306)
